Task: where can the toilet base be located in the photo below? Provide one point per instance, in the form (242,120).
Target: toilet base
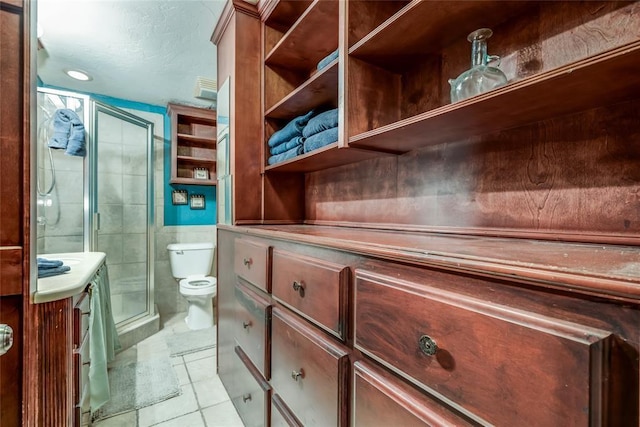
(199,313)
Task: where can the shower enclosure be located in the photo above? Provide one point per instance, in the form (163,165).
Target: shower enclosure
(101,202)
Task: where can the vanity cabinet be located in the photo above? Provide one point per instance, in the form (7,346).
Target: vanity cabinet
(193,145)
(81,359)
(476,262)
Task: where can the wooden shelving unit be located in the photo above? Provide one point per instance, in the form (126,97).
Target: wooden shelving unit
(193,144)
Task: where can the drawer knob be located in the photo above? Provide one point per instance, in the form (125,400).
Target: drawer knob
(246,325)
(297,374)
(246,397)
(247,262)
(6,338)
(428,345)
(298,287)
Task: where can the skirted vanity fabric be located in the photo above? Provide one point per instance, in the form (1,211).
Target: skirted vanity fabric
(103,339)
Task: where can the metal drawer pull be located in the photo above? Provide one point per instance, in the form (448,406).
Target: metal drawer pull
(298,287)
(246,325)
(297,374)
(428,345)
(246,397)
(247,262)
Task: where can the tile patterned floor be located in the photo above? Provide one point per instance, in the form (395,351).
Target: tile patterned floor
(203,403)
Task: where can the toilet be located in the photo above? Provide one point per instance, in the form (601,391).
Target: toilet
(190,265)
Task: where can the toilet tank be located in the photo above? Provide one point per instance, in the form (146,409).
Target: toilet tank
(190,259)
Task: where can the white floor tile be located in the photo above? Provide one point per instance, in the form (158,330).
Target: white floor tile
(169,409)
(128,419)
(193,419)
(202,369)
(177,360)
(210,352)
(210,392)
(222,415)
(181,373)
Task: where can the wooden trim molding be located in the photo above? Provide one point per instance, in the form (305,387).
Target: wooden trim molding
(227,13)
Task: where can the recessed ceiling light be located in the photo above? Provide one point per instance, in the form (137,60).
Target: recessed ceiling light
(78,75)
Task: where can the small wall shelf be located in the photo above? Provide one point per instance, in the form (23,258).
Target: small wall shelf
(193,144)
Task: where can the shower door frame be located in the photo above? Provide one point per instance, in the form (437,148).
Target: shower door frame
(92,213)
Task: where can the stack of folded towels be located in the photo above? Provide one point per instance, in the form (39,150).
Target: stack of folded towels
(321,130)
(48,267)
(303,134)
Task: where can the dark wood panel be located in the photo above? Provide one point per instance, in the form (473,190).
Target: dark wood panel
(11,279)
(253,327)
(11,125)
(249,392)
(252,262)
(281,416)
(11,363)
(309,372)
(365,16)
(226,307)
(315,288)
(462,348)
(382,399)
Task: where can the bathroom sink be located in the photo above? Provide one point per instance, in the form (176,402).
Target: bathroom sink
(70,261)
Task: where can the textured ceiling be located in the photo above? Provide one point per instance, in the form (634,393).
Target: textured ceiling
(148,51)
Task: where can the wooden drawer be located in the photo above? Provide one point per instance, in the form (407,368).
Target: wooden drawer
(316,289)
(480,354)
(81,313)
(281,416)
(251,262)
(249,392)
(253,327)
(309,371)
(81,365)
(380,399)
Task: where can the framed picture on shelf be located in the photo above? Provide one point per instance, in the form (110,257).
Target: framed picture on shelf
(179,197)
(201,173)
(196,201)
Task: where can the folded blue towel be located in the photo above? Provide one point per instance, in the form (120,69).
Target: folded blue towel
(68,132)
(321,139)
(286,155)
(48,263)
(294,142)
(47,272)
(327,60)
(291,129)
(323,121)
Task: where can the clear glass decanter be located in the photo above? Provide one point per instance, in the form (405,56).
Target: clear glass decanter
(480,77)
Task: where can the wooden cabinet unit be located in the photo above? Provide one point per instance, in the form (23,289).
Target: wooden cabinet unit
(468,263)
(193,145)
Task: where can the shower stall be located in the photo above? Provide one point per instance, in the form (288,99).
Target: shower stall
(102,201)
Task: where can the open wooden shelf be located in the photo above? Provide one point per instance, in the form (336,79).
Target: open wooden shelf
(194,141)
(321,88)
(303,46)
(323,158)
(196,160)
(600,80)
(424,27)
(193,181)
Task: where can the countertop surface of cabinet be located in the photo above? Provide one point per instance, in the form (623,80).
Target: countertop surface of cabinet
(83,266)
(193,145)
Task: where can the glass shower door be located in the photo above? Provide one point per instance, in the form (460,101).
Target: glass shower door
(122,214)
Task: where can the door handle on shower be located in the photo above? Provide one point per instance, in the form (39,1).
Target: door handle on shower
(96,220)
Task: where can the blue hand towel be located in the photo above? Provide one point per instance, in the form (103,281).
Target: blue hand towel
(61,128)
(286,155)
(327,60)
(76,145)
(291,129)
(48,263)
(46,272)
(323,121)
(294,142)
(321,139)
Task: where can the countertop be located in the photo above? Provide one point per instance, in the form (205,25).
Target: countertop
(83,266)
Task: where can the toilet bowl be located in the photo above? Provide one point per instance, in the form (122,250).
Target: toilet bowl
(198,291)
(190,264)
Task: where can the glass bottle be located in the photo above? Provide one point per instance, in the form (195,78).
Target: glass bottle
(480,77)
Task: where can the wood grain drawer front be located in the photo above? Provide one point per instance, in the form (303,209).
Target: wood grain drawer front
(251,262)
(253,327)
(251,393)
(309,371)
(316,289)
(380,399)
(81,365)
(480,354)
(81,313)
(281,416)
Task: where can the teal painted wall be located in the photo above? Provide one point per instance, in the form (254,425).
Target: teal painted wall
(173,214)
